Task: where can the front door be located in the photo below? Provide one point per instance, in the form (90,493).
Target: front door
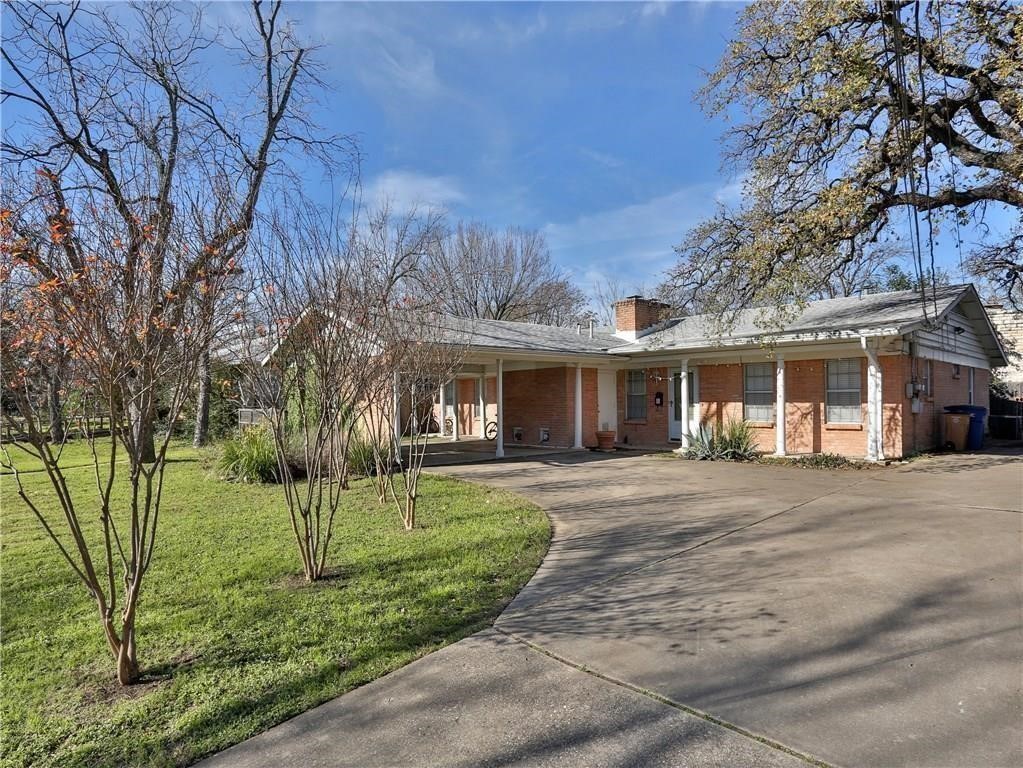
(607,400)
(678,411)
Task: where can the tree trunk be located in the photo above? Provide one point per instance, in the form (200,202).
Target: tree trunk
(127,661)
(147,438)
(144,431)
(202,405)
(54,404)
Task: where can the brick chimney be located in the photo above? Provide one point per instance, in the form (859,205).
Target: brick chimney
(634,315)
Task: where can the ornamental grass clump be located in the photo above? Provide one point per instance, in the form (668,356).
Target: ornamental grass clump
(249,457)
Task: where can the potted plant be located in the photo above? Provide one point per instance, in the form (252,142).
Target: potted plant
(605,439)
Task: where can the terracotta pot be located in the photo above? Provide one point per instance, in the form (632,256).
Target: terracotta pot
(605,440)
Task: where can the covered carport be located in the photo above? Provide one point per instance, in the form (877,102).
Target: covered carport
(522,386)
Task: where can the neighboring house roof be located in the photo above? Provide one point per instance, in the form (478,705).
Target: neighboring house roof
(240,345)
(875,314)
(526,337)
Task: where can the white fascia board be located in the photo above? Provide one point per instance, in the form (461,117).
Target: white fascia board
(725,346)
(487,355)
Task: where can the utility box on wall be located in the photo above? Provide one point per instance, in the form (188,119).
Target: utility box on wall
(545,435)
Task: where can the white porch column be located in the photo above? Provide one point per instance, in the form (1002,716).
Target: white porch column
(454,409)
(483,406)
(578,443)
(443,408)
(396,412)
(875,411)
(683,396)
(779,405)
(500,409)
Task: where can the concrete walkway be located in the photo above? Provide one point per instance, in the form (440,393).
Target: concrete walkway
(709,614)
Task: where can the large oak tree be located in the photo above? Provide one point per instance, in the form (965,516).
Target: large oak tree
(849,116)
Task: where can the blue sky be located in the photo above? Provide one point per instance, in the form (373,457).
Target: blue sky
(576,119)
(573,118)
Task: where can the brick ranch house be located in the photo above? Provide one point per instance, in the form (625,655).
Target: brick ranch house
(864,377)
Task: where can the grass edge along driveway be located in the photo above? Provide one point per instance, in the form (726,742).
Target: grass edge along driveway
(232,640)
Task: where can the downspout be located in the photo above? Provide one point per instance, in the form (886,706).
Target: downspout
(875,403)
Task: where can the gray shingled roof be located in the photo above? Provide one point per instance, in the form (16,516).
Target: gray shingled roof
(896,312)
(528,337)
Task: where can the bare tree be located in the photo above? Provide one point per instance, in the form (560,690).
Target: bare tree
(66,303)
(129,149)
(393,250)
(419,350)
(605,291)
(316,338)
(479,273)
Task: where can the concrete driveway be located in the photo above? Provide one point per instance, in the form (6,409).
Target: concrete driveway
(712,614)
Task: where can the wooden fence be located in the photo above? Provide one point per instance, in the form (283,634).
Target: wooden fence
(1006,418)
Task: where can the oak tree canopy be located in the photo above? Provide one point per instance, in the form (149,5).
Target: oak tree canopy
(856,121)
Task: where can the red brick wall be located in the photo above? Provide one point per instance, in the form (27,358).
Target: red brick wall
(805,428)
(545,397)
(894,375)
(925,430)
(653,430)
(637,314)
(721,392)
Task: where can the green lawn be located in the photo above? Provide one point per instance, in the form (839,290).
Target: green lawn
(230,638)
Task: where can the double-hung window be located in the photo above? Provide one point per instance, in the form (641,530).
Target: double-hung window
(843,392)
(635,395)
(758,394)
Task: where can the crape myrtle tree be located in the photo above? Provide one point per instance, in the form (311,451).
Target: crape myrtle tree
(66,302)
(393,248)
(480,273)
(131,189)
(312,342)
(852,119)
(421,346)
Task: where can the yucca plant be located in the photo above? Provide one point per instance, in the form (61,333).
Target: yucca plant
(735,441)
(702,445)
(249,457)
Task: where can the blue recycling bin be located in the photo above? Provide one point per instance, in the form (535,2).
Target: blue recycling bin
(975,437)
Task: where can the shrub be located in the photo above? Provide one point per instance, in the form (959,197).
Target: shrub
(249,457)
(360,456)
(735,441)
(814,461)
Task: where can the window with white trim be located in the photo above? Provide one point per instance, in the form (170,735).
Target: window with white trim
(927,375)
(758,392)
(635,395)
(969,386)
(842,399)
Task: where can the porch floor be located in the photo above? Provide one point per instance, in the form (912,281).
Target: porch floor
(443,451)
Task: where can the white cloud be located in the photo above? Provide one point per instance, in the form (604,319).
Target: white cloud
(371,43)
(404,190)
(513,34)
(636,241)
(656,8)
(601,158)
